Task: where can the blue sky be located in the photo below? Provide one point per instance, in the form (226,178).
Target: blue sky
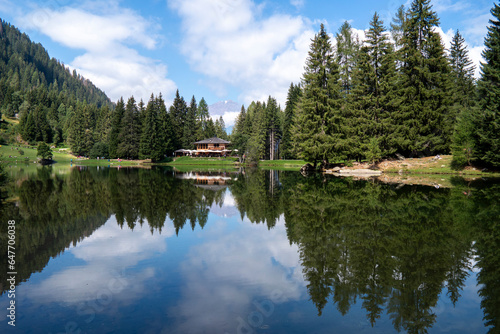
(242,50)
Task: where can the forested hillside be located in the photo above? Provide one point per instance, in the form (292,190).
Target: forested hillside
(39,90)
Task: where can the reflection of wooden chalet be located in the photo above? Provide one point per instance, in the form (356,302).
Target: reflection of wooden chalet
(211,181)
(212,147)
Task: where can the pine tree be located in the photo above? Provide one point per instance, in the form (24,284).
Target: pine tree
(273,127)
(257,141)
(397,26)
(220,128)
(129,136)
(239,137)
(76,132)
(487,141)
(44,151)
(149,135)
(178,112)
(209,128)
(166,131)
(462,71)
(347,47)
(369,126)
(116,123)
(189,136)
(425,85)
(293,97)
(316,126)
(202,117)
(103,126)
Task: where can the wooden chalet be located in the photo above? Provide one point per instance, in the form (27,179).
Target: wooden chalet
(211,147)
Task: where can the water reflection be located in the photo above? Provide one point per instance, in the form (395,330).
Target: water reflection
(401,252)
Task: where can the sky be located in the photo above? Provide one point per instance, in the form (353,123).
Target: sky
(239,50)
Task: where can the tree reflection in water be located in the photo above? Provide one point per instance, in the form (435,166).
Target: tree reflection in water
(390,248)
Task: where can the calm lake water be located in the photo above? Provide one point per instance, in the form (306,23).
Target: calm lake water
(103,250)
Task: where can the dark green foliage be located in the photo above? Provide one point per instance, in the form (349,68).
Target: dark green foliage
(178,112)
(256,146)
(425,85)
(273,127)
(487,141)
(99,150)
(116,127)
(156,136)
(258,130)
(25,65)
(241,133)
(130,132)
(317,121)
(210,130)
(220,128)
(370,107)
(44,151)
(292,100)
(190,126)
(347,47)
(202,118)
(462,71)
(165,128)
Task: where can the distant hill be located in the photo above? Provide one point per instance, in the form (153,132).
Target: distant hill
(25,66)
(221,107)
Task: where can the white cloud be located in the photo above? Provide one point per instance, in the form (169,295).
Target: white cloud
(476,28)
(261,268)
(230,118)
(449,5)
(230,42)
(106,39)
(104,272)
(297,3)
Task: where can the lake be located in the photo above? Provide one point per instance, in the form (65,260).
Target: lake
(108,250)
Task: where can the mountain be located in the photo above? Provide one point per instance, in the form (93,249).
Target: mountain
(220,108)
(26,68)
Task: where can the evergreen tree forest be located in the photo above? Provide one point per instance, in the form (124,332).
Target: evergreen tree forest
(397,92)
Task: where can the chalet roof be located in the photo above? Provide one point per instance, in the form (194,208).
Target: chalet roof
(213,140)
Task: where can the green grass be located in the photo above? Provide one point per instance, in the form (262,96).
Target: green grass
(202,161)
(10,154)
(441,166)
(282,163)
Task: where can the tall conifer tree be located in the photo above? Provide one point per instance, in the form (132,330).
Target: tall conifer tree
(425,85)
(239,136)
(488,123)
(129,137)
(347,47)
(462,71)
(165,128)
(178,112)
(372,96)
(317,128)
(116,123)
(292,100)
(190,126)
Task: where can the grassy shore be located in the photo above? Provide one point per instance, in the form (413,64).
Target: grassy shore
(12,155)
(190,161)
(431,165)
(282,163)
